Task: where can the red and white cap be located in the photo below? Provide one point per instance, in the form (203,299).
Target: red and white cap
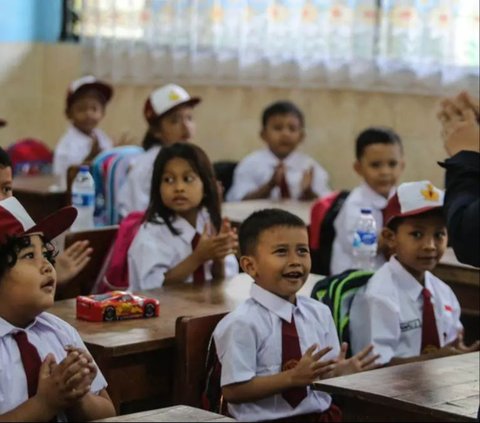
(86,82)
(15,221)
(165,99)
(413,198)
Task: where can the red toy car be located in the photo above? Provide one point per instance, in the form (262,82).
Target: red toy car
(115,305)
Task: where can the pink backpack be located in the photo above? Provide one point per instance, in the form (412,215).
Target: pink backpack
(115,277)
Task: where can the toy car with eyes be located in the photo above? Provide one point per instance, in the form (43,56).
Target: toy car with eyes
(115,305)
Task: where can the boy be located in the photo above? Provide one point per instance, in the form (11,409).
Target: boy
(271,346)
(85,108)
(279,171)
(73,259)
(168,111)
(404,310)
(46,372)
(379,161)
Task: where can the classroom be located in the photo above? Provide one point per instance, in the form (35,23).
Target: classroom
(239,210)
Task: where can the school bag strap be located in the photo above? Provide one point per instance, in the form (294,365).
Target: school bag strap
(337,293)
(322,232)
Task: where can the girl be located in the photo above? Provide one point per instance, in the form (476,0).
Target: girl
(183,238)
(169,114)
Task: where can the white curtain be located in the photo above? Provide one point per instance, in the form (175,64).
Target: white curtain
(425,46)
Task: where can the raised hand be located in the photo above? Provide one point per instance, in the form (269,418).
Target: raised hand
(278,174)
(310,367)
(72,260)
(306,185)
(360,362)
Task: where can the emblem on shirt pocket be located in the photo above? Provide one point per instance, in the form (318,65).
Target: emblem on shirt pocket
(411,324)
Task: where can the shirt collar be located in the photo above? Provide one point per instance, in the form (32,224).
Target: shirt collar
(407,282)
(79,133)
(288,161)
(378,201)
(187,231)
(7,328)
(282,308)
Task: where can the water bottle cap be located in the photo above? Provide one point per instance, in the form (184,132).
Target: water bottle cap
(366,211)
(84,168)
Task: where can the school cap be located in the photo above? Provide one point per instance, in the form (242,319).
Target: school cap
(15,221)
(413,198)
(86,82)
(165,99)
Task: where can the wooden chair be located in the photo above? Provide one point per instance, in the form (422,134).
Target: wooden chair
(192,335)
(101,239)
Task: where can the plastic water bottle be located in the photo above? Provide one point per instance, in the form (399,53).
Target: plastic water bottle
(83,199)
(364,246)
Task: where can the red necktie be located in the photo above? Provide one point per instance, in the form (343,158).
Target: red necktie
(429,326)
(284,190)
(291,354)
(198,274)
(31,361)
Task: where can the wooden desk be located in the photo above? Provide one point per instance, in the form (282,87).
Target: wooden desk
(40,195)
(238,211)
(178,413)
(445,389)
(137,356)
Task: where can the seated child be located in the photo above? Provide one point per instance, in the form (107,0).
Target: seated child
(406,312)
(380,163)
(85,108)
(70,261)
(169,113)
(183,238)
(275,344)
(46,372)
(280,170)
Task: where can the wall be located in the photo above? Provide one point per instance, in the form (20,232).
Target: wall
(34,78)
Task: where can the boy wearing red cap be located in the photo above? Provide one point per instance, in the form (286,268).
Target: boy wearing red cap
(406,312)
(46,372)
(85,108)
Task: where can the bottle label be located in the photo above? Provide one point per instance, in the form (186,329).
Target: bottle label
(83,200)
(364,238)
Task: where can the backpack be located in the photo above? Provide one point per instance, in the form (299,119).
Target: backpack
(322,232)
(337,292)
(30,156)
(115,275)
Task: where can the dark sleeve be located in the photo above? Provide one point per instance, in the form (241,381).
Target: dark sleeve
(462,205)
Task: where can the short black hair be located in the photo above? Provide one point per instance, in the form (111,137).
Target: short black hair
(262,220)
(4,159)
(283,107)
(397,221)
(376,135)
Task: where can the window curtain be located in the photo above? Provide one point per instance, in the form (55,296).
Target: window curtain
(424,46)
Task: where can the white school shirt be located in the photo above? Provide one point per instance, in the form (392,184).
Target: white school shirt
(249,344)
(258,167)
(361,197)
(387,312)
(73,148)
(155,250)
(134,194)
(49,334)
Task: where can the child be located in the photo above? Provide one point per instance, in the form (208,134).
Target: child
(46,372)
(279,171)
(85,108)
(274,345)
(380,163)
(169,113)
(73,259)
(394,311)
(183,238)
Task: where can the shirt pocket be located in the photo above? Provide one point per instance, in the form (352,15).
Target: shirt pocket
(269,357)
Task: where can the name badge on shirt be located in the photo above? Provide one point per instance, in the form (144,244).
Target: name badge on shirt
(412,324)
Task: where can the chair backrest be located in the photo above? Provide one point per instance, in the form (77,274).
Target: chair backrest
(224,173)
(30,156)
(337,292)
(322,232)
(192,336)
(101,240)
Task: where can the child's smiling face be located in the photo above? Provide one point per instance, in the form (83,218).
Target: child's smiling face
(28,288)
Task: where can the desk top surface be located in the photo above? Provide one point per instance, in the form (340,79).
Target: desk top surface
(178,413)
(141,335)
(444,387)
(39,184)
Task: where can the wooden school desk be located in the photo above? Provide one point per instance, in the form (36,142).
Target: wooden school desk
(40,195)
(238,211)
(444,389)
(137,356)
(178,413)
